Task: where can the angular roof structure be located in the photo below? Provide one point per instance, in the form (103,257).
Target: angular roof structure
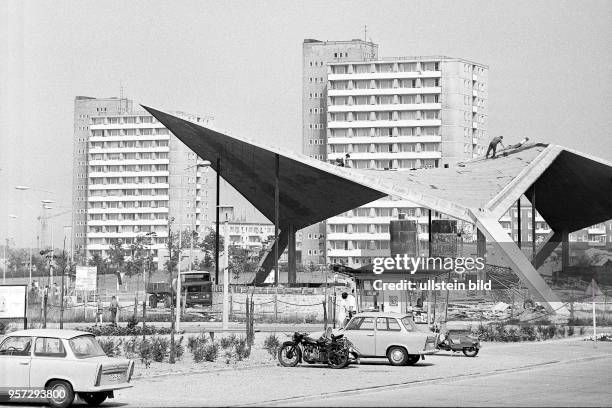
(571,190)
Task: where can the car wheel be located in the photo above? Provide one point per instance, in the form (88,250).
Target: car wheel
(470,352)
(397,356)
(93,398)
(62,394)
(413,359)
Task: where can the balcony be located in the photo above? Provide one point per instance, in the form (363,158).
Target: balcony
(129,198)
(384,75)
(383,123)
(384,107)
(388,155)
(474,140)
(126,162)
(474,77)
(475,93)
(597,230)
(474,125)
(383,139)
(385,91)
(474,109)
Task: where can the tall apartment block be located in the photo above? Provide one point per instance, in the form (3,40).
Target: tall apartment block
(131,175)
(316,57)
(394,115)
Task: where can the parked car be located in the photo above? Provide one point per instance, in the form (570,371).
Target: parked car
(60,364)
(391,335)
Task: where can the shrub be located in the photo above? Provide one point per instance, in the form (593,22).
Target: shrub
(179,349)
(159,349)
(109,330)
(551,331)
(513,335)
(528,333)
(210,351)
(130,347)
(132,322)
(228,342)
(581,331)
(194,341)
(144,352)
(110,347)
(3,327)
(243,350)
(570,331)
(271,344)
(228,356)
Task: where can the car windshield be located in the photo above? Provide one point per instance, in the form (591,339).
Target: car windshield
(409,323)
(85,347)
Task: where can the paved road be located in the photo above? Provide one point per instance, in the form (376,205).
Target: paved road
(566,372)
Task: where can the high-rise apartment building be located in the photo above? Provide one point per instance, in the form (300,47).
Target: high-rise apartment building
(316,55)
(131,175)
(392,114)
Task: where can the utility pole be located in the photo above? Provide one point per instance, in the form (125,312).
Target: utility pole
(226,274)
(172,349)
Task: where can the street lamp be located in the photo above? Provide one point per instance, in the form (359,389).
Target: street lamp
(228,212)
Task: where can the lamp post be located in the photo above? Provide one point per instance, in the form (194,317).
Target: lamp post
(228,212)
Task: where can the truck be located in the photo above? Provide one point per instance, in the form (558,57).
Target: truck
(196,289)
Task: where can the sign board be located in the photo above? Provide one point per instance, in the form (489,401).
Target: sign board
(404,237)
(13,301)
(86,277)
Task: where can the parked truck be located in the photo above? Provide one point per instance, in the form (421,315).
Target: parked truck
(196,288)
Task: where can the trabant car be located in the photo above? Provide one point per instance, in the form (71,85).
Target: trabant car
(391,335)
(54,365)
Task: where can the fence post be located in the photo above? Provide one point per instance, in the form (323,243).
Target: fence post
(325,314)
(276,306)
(231,303)
(144,317)
(44,311)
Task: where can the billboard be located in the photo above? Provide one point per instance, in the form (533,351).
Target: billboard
(86,277)
(12,301)
(444,238)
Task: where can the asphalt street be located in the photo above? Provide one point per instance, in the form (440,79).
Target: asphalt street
(554,373)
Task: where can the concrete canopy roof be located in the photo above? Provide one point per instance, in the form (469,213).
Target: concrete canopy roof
(573,190)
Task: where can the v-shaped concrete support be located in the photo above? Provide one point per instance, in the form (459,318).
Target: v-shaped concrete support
(267,262)
(519,262)
(552,241)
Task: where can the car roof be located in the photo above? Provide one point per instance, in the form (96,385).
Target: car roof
(59,333)
(383,314)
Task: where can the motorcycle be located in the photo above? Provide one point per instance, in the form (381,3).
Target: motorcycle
(459,340)
(335,351)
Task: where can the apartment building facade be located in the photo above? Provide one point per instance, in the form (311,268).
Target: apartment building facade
(131,175)
(397,114)
(316,55)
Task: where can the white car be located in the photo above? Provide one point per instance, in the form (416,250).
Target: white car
(391,335)
(57,364)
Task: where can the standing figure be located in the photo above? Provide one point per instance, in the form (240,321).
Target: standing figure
(114,308)
(343,308)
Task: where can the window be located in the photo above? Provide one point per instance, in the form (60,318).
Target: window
(85,346)
(49,347)
(409,323)
(361,323)
(387,324)
(16,346)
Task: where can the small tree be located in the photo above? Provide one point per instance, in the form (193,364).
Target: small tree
(116,256)
(208,245)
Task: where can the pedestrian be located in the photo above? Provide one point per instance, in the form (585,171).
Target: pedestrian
(352,304)
(343,310)
(56,293)
(99,312)
(114,309)
(493,146)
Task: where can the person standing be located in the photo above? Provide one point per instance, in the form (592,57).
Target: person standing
(352,304)
(100,311)
(493,146)
(342,310)
(114,309)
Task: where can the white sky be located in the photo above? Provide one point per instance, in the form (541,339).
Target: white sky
(550,71)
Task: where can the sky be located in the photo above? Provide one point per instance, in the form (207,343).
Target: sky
(550,70)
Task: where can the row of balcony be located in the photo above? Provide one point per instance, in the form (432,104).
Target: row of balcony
(385,91)
(351,140)
(384,107)
(387,155)
(384,75)
(99,139)
(383,123)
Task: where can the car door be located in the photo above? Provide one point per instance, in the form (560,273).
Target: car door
(15,360)
(360,331)
(388,333)
(49,359)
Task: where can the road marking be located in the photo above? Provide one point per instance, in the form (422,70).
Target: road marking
(418,383)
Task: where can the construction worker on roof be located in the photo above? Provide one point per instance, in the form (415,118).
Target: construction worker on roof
(493,146)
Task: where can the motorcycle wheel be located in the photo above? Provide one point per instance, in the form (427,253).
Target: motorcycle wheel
(289,354)
(338,358)
(470,351)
